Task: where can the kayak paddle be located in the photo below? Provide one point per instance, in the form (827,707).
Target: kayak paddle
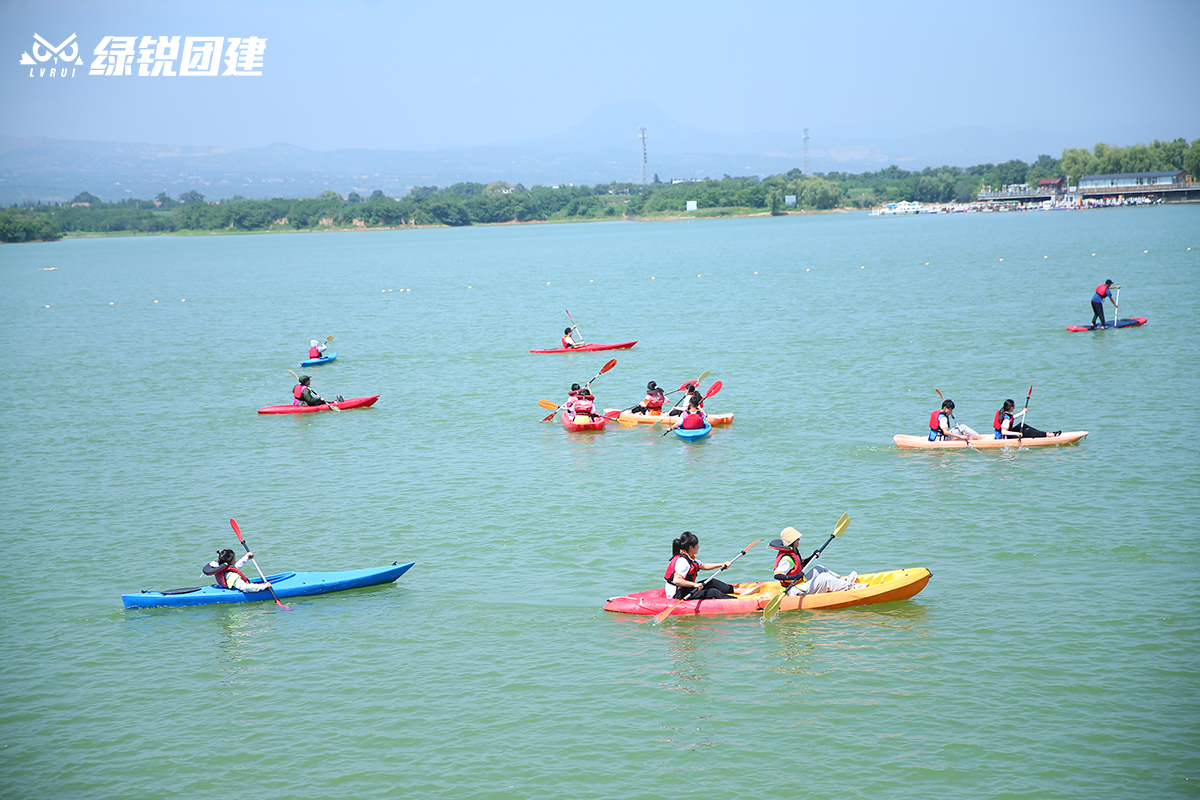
(271,589)
(772,608)
(664,614)
(1025,420)
(550,404)
(716,387)
(574,327)
(331,405)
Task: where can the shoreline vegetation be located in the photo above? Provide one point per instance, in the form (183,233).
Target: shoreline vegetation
(499,203)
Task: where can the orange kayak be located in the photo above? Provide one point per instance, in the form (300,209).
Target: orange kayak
(907,442)
(649,419)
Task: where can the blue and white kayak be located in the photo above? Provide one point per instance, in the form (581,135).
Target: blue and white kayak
(316,362)
(693,434)
(285,584)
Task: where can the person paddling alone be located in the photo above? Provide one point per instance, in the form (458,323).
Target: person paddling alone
(695,417)
(1103,292)
(683,569)
(225,571)
(305,396)
(316,349)
(568,339)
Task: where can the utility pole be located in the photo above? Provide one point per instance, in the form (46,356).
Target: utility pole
(642,136)
(806,172)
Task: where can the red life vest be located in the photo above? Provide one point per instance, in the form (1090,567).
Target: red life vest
(567,341)
(692,422)
(934,425)
(998,422)
(297,390)
(222,575)
(1102,290)
(799,568)
(314,352)
(693,568)
(654,399)
(583,404)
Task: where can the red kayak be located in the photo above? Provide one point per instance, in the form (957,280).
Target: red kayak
(353,402)
(585,348)
(583,422)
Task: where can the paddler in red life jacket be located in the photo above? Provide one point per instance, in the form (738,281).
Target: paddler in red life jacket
(694,418)
(683,570)
(304,396)
(1103,292)
(1005,424)
(225,572)
(692,391)
(568,339)
(798,575)
(315,349)
(653,402)
(941,426)
(581,401)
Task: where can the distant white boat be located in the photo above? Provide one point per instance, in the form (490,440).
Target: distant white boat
(899,209)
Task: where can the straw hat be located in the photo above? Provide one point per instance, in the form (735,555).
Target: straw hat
(789,536)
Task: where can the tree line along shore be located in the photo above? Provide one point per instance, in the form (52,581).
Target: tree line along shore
(500,202)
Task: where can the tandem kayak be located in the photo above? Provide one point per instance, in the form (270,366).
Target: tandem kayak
(583,422)
(907,442)
(882,587)
(1131,322)
(693,434)
(316,362)
(286,584)
(620,415)
(587,348)
(353,402)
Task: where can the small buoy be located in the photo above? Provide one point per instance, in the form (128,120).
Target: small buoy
(864,266)
(156,301)
(183,300)
(651,277)
(112,304)
(698,276)
(547,283)
(1145,251)
(468,287)
(1002,259)
(808,270)
(927,263)
(391,290)
(1093,254)
(755,272)
(47,306)
(383,291)
(1045,256)
(591,281)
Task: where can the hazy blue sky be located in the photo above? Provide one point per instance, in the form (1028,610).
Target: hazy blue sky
(384,75)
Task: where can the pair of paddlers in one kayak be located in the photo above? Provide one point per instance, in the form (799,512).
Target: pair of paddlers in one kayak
(796,575)
(656,399)
(942,425)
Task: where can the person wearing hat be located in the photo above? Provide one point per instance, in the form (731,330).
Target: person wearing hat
(305,396)
(798,575)
(653,402)
(315,349)
(942,425)
(568,339)
(225,571)
(1103,291)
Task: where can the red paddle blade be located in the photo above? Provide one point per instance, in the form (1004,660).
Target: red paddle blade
(716,387)
(237,530)
(608,366)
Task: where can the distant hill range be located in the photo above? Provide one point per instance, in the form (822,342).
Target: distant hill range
(602,149)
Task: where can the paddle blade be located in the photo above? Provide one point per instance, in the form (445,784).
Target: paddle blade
(842,524)
(608,366)
(328,339)
(547,404)
(238,531)
(716,387)
(294,375)
(772,607)
(939,391)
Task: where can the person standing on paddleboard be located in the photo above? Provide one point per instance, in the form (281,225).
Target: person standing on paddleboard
(1103,291)
(798,575)
(225,571)
(941,426)
(1005,424)
(683,570)
(568,339)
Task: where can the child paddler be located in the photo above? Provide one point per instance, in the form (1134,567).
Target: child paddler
(225,571)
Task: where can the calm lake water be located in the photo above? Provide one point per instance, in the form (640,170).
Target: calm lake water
(1054,653)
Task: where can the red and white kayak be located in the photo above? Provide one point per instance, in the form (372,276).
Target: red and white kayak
(353,402)
(882,587)
(907,442)
(583,422)
(588,348)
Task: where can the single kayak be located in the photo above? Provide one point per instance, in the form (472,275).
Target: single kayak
(286,584)
(587,348)
(583,422)
(988,443)
(316,362)
(353,402)
(621,415)
(693,434)
(1131,322)
(882,587)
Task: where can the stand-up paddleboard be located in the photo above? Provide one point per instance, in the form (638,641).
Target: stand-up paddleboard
(1131,322)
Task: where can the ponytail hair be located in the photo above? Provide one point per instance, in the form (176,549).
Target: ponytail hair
(1009,405)
(686,540)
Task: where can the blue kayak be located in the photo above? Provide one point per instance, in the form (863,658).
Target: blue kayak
(693,434)
(316,362)
(285,584)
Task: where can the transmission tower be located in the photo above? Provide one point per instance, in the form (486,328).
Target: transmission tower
(806,172)
(642,136)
